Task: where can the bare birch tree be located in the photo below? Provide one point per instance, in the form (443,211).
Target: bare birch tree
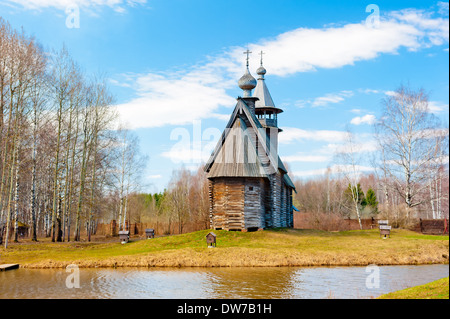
(349,161)
(411,139)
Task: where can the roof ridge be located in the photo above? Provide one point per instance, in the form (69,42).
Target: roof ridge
(242,108)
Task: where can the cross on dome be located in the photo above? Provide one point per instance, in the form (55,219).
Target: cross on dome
(247,82)
(261,54)
(248,52)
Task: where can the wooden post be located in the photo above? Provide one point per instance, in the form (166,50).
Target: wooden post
(124,236)
(113,226)
(384,228)
(211,240)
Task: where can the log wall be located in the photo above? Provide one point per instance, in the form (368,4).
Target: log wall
(238,203)
(276,199)
(283,207)
(228,203)
(254,203)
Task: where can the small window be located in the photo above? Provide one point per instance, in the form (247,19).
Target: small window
(250,188)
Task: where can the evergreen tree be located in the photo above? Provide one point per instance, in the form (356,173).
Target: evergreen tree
(371,200)
(356,192)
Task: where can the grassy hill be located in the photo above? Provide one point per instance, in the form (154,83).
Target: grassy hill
(279,247)
(434,290)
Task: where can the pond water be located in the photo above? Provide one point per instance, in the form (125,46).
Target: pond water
(232,283)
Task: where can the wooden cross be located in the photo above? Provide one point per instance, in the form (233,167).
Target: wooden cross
(248,55)
(261,54)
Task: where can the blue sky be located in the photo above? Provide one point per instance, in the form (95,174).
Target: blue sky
(174,64)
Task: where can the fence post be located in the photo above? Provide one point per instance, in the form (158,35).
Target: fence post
(113,228)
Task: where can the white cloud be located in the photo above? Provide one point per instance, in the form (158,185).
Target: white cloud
(440,160)
(391,93)
(365,146)
(306,158)
(306,49)
(187,154)
(335,169)
(310,173)
(443,8)
(433,106)
(158,176)
(366,119)
(437,107)
(291,134)
(369,91)
(333,98)
(222,117)
(180,96)
(433,133)
(437,29)
(330,98)
(175,99)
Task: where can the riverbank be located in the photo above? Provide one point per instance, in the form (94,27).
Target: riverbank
(438,289)
(269,248)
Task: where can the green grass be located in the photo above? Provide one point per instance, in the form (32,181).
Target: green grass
(278,247)
(438,289)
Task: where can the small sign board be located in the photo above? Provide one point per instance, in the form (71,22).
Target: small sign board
(383,222)
(211,239)
(385,229)
(124,236)
(150,233)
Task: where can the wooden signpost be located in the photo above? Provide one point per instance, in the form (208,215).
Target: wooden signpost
(385,229)
(149,233)
(124,236)
(211,240)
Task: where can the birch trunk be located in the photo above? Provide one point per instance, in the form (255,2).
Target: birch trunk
(16,199)
(56,173)
(85,159)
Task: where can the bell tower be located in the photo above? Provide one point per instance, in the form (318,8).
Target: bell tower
(265,109)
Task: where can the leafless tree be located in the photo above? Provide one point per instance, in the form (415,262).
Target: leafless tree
(411,140)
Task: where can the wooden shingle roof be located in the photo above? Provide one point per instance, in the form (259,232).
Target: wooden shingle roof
(240,152)
(237,156)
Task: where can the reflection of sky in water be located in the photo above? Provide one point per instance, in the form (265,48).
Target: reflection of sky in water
(233,283)
(350,282)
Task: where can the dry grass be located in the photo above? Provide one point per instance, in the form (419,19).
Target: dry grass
(283,247)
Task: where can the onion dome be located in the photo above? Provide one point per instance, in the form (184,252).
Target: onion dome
(261,71)
(247,83)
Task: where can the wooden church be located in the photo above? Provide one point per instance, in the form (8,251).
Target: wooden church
(249,187)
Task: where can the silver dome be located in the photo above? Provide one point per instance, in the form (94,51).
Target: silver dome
(247,82)
(261,70)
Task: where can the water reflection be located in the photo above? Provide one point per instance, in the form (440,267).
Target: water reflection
(234,283)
